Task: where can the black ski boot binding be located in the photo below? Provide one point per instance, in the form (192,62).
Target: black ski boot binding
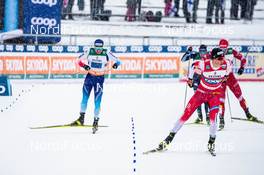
(79,121)
(199,119)
(250,116)
(95,125)
(164,144)
(211,146)
(221,122)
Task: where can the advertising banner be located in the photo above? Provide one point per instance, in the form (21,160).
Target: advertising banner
(42,17)
(254,69)
(161,67)
(60,62)
(37,67)
(13,67)
(5,86)
(63,67)
(131,67)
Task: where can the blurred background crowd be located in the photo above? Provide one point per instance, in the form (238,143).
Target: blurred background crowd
(215,10)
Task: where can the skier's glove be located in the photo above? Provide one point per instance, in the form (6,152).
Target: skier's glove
(190,83)
(240,71)
(190,48)
(115,66)
(86,67)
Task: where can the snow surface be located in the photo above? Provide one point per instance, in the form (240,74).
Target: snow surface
(154,105)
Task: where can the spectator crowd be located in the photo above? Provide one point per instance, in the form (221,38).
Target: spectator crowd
(215,10)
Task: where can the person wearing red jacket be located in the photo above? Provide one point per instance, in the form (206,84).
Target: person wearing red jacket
(232,83)
(194,78)
(213,73)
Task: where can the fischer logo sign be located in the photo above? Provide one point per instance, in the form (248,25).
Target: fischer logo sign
(46,2)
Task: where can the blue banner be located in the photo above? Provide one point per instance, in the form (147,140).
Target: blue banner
(116,49)
(5,86)
(42,17)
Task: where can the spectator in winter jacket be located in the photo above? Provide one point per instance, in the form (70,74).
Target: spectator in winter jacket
(131,10)
(234,9)
(177,8)
(96,8)
(247,9)
(219,6)
(190,8)
(67,9)
(168,6)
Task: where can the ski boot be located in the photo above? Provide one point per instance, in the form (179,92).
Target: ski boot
(199,119)
(164,144)
(211,146)
(250,116)
(79,121)
(221,122)
(95,125)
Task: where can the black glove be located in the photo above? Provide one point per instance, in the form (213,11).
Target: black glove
(115,66)
(190,83)
(240,71)
(190,48)
(86,67)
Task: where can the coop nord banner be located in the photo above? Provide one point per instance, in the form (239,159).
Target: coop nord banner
(42,17)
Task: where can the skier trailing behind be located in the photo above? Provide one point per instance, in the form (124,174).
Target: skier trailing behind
(213,73)
(232,83)
(96,62)
(194,78)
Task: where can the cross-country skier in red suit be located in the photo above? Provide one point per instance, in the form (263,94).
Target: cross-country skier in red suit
(194,79)
(232,83)
(213,73)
